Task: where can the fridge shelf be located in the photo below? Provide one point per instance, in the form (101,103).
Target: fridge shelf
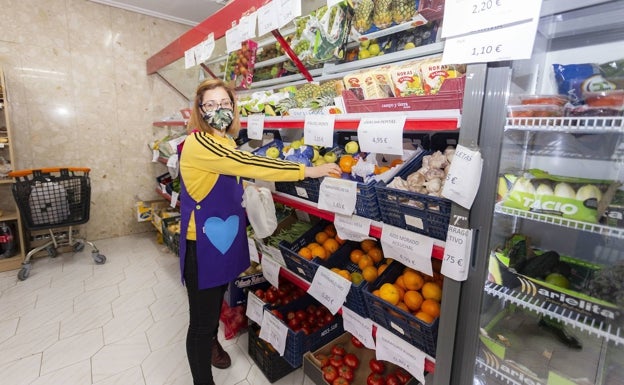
(492,366)
(608,331)
(590,124)
(608,231)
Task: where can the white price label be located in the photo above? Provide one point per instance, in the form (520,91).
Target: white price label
(253,251)
(267,18)
(352,227)
(233,39)
(270,270)
(337,195)
(255,126)
(255,308)
(464,16)
(289,9)
(509,43)
(329,288)
(189,58)
(173,161)
(409,248)
(463,177)
(457,253)
(394,349)
(274,253)
(331,3)
(273,331)
(205,48)
(360,328)
(174,199)
(319,130)
(381,135)
(248,26)
(155,155)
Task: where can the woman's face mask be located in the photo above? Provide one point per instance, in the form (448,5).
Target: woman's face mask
(221,118)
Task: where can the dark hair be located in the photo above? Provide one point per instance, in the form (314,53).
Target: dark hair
(196,122)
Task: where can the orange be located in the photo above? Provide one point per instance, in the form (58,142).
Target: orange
(339,240)
(399,282)
(413,299)
(321,237)
(330,229)
(381,268)
(413,280)
(376,254)
(432,290)
(380,170)
(331,245)
(403,306)
(396,162)
(401,292)
(376,293)
(369,273)
(364,261)
(355,255)
(346,163)
(305,252)
(319,251)
(312,245)
(424,317)
(345,274)
(431,307)
(389,293)
(367,244)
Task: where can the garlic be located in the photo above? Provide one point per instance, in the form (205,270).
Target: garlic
(398,184)
(435,173)
(438,160)
(564,190)
(434,185)
(588,191)
(449,152)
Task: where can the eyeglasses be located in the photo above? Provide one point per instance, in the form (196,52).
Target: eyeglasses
(212,105)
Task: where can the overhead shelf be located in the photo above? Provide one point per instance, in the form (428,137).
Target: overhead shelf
(573,125)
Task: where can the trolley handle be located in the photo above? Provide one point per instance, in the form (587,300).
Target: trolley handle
(47,170)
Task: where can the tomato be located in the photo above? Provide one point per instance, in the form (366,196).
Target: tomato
(402,375)
(338,350)
(357,343)
(328,318)
(301,315)
(323,359)
(377,366)
(351,360)
(336,360)
(294,324)
(341,381)
(311,309)
(392,379)
(375,379)
(260,294)
(277,313)
(346,372)
(330,373)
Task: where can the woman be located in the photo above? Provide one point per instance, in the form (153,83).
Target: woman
(213,220)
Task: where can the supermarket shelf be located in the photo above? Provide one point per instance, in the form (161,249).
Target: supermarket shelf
(584,125)
(9,215)
(311,208)
(166,196)
(578,225)
(504,377)
(601,329)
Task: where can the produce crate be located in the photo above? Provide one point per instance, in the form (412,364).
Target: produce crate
(424,214)
(272,365)
(171,239)
(405,325)
(236,293)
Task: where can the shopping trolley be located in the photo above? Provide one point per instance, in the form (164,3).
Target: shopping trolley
(50,198)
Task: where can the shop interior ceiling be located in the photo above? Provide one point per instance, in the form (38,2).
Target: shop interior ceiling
(189,12)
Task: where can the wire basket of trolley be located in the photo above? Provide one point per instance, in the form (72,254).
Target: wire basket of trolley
(52,198)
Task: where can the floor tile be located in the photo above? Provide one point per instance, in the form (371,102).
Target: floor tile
(64,353)
(119,356)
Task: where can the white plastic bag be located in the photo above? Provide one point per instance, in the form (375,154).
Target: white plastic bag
(260,210)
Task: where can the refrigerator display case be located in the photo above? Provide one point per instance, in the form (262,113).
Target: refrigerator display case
(544,299)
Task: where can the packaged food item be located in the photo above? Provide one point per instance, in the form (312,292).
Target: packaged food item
(406,79)
(240,64)
(610,99)
(534,110)
(556,100)
(574,80)
(354,82)
(370,84)
(433,73)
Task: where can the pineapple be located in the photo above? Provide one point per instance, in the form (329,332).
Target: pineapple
(382,13)
(306,94)
(403,10)
(322,101)
(284,105)
(363,17)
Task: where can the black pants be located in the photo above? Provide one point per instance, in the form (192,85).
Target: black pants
(204,311)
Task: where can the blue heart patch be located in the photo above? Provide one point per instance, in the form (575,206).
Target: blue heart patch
(221,233)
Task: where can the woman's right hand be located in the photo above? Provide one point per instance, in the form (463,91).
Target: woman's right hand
(327,169)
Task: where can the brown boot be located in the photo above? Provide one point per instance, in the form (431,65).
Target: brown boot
(220,358)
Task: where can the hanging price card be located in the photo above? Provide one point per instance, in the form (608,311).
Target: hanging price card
(329,288)
(189,58)
(289,9)
(508,43)
(273,331)
(464,16)
(172,161)
(255,126)
(253,251)
(319,130)
(337,195)
(205,48)
(270,270)
(352,227)
(247,26)
(457,253)
(155,155)
(360,328)
(331,3)
(174,199)
(233,39)
(393,349)
(255,308)
(274,253)
(463,177)
(409,248)
(381,135)
(268,19)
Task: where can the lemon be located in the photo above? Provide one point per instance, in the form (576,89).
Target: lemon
(364,54)
(374,49)
(409,45)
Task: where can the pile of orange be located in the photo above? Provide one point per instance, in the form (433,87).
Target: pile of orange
(346,163)
(325,243)
(415,293)
(369,257)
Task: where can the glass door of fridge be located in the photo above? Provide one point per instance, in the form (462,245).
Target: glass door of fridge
(544,302)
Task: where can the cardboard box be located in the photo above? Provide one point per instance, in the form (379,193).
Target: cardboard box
(236,293)
(144,209)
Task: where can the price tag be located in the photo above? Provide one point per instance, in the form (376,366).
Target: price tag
(274,253)
(352,227)
(267,19)
(255,308)
(463,177)
(337,195)
(253,251)
(173,161)
(189,58)
(255,126)
(205,48)
(329,288)
(174,199)
(509,43)
(409,248)
(233,39)
(464,16)
(247,26)
(270,270)
(301,192)
(360,328)
(381,135)
(393,349)
(273,331)
(319,130)
(457,253)
(155,155)
(289,9)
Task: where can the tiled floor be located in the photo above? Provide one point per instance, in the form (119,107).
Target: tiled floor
(124,322)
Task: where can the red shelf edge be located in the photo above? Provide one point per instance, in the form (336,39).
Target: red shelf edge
(446,124)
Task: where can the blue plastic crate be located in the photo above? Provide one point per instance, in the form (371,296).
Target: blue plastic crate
(304,268)
(404,324)
(272,365)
